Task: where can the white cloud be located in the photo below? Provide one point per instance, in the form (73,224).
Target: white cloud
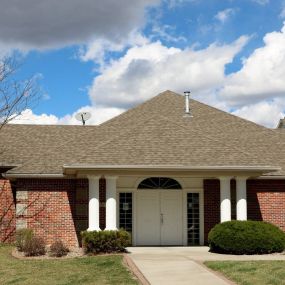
(255,92)
(97,49)
(175,3)
(151,68)
(261,2)
(264,113)
(28,117)
(98,115)
(282,13)
(224,15)
(262,74)
(167,33)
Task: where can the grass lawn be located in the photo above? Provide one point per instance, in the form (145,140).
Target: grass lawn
(251,272)
(89,270)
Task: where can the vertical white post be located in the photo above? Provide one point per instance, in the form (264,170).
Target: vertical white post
(241,198)
(111,203)
(225,196)
(93,216)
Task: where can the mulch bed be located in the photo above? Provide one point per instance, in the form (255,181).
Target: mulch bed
(74,252)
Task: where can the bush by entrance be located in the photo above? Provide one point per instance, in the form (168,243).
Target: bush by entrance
(246,237)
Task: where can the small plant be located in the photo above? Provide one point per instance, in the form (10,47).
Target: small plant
(22,237)
(36,246)
(246,237)
(105,241)
(58,249)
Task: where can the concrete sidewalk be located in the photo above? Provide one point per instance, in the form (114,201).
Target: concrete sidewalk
(170,268)
(183,265)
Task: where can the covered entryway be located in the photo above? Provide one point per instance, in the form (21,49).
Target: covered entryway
(159,213)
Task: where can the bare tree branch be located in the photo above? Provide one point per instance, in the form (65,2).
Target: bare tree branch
(15,95)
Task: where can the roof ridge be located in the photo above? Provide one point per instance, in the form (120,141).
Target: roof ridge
(209,137)
(235,116)
(100,127)
(168,120)
(140,105)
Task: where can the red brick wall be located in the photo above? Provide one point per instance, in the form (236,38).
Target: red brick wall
(7,212)
(265,202)
(102,201)
(58,208)
(211,205)
(50,208)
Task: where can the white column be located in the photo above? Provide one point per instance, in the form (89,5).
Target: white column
(111,203)
(241,198)
(225,196)
(93,216)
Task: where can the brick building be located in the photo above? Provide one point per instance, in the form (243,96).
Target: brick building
(165,175)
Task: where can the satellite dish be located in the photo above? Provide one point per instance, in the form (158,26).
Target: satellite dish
(83,117)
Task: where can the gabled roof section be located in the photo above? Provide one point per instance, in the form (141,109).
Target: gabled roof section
(153,133)
(157,133)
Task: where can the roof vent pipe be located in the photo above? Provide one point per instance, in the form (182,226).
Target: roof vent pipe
(281,124)
(187,105)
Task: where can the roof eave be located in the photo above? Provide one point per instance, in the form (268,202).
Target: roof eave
(87,168)
(34,175)
(5,168)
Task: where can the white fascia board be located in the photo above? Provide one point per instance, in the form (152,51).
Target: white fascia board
(171,167)
(33,175)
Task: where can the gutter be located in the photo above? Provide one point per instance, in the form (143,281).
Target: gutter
(31,175)
(259,170)
(171,167)
(70,171)
(271,177)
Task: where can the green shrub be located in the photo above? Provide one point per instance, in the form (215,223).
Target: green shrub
(105,241)
(246,237)
(22,236)
(36,246)
(58,249)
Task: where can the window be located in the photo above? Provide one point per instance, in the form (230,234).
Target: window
(126,211)
(159,183)
(193,219)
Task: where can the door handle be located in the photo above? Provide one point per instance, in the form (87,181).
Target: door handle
(161,218)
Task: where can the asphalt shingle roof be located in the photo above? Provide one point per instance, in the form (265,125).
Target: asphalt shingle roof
(153,133)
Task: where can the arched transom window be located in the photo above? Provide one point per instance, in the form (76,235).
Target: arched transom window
(159,183)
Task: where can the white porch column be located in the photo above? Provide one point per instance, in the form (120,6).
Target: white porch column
(111,203)
(241,198)
(225,196)
(93,216)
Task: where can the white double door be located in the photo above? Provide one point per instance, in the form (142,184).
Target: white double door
(159,217)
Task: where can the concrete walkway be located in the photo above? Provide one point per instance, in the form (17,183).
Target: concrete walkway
(183,265)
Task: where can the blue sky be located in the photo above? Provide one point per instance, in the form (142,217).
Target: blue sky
(105,57)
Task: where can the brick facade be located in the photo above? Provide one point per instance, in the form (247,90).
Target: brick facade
(211,205)
(53,208)
(58,208)
(102,204)
(265,202)
(7,211)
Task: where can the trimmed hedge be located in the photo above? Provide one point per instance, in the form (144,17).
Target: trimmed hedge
(246,237)
(105,241)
